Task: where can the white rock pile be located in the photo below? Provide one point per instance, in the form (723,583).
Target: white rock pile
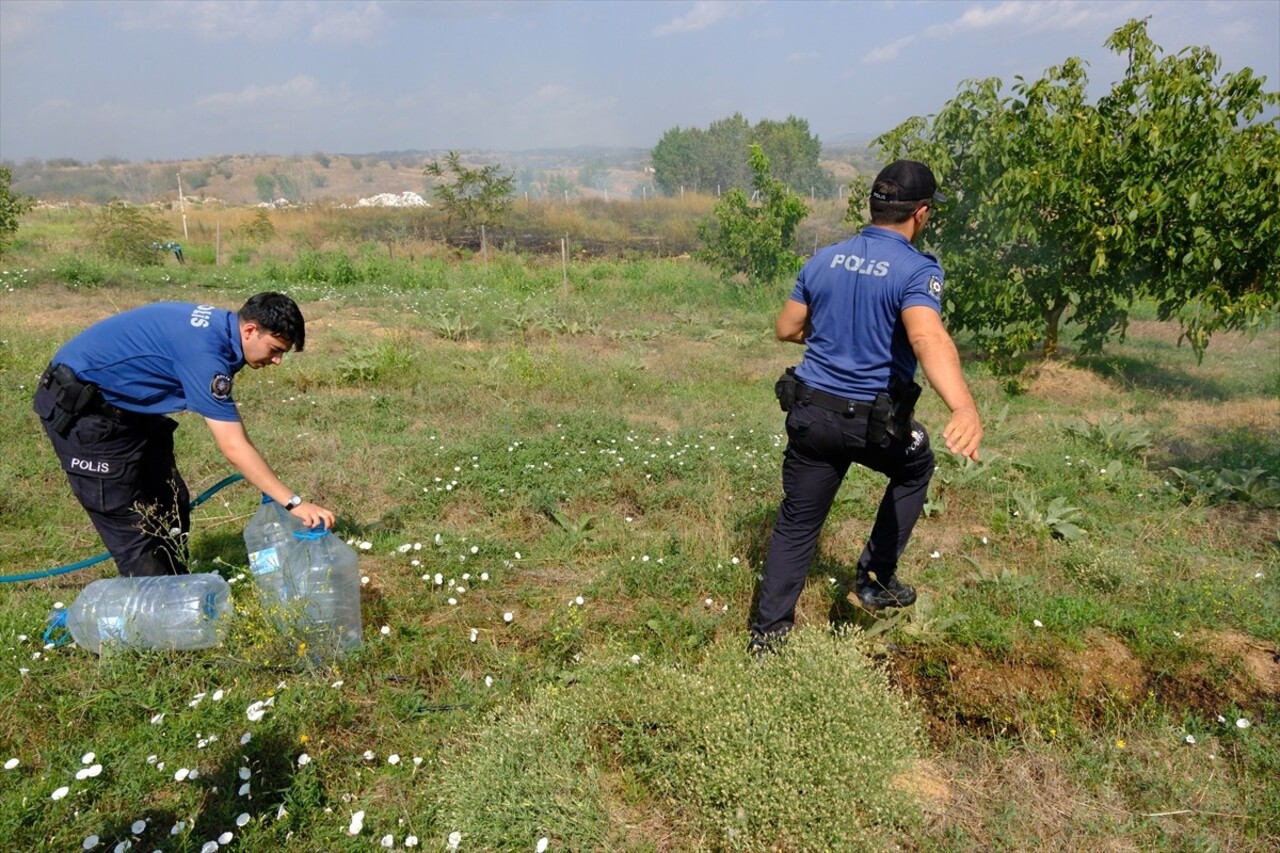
(407,198)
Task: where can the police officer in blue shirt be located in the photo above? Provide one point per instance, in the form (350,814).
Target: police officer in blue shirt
(867,310)
(103,401)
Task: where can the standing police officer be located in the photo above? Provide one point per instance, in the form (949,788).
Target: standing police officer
(867,309)
(103,399)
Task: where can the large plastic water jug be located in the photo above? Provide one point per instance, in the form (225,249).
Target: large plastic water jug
(166,612)
(323,581)
(268,539)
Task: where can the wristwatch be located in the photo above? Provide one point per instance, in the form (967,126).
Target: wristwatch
(293,503)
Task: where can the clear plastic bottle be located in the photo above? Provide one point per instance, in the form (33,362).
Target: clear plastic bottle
(324,579)
(268,538)
(167,612)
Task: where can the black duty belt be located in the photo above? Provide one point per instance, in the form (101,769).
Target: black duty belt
(123,415)
(823,400)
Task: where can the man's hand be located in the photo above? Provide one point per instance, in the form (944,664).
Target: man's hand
(964,432)
(312,515)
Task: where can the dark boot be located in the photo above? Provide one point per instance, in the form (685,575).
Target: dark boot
(876,594)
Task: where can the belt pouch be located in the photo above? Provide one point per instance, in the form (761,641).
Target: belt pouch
(72,398)
(785,389)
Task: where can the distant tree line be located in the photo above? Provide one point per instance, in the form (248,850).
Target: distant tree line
(109,178)
(718,159)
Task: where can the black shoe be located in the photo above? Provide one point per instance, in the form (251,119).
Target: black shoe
(763,644)
(875,595)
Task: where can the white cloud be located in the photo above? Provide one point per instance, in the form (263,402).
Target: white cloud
(333,21)
(803,56)
(22,19)
(550,92)
(1026,15)
(300,87)
(349,25)
(218,20)
(888,52)
(704,14)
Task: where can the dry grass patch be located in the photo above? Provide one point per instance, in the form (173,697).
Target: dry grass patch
(1027,800)
(1192,419)
(1070,386)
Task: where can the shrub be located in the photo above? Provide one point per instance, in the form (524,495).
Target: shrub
(76,270)
(799,751)
(122,232)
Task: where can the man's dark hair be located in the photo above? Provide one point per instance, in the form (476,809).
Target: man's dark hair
(276,314)
(893,212)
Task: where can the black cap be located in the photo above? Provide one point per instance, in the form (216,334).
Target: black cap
(909,180)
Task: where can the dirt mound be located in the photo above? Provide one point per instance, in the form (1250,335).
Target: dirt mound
(1258,662)
(1106,669)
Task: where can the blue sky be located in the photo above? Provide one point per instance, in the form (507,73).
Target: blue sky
(163,79)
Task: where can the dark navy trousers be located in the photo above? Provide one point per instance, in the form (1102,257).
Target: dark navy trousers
(821,445)
(123,472)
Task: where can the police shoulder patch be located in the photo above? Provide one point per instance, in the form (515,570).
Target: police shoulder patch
(220,387)
(935,286)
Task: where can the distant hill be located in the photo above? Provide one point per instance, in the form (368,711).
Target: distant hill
(248,179)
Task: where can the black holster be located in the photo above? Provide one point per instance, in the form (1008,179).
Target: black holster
(785,389)
(72,398)
(880,420)
(902,399)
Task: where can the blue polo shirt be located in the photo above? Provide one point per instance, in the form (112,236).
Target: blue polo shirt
(162,358)
(856,291)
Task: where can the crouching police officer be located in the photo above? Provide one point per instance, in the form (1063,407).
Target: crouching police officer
(867,309)
(103,399)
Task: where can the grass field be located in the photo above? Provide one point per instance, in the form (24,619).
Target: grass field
(1092,664)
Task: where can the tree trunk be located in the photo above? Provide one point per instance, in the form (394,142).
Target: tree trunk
(1052,320)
